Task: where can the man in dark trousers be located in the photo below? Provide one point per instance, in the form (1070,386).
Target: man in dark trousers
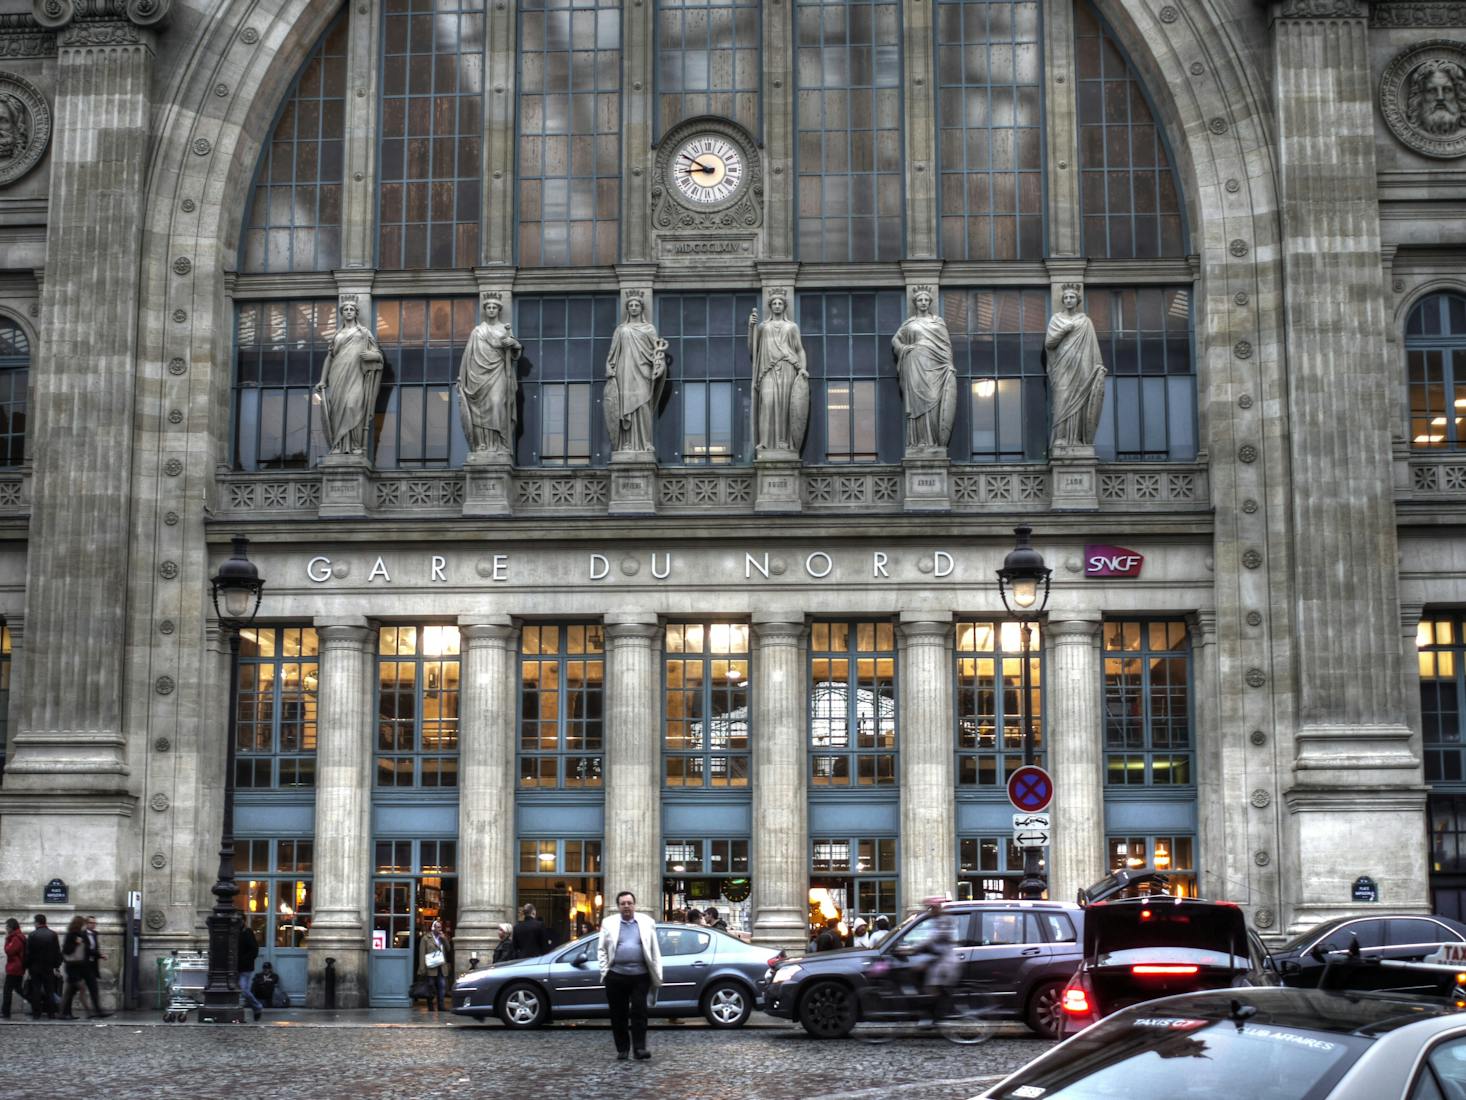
(531,940)
(94,966)
(249,951)
(43,956)
(630,961)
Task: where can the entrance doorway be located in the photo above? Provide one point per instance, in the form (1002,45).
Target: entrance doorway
(416,883)
(562,880)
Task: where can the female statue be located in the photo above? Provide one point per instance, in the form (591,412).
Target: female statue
(780,381)
(347,391)
(487,385)
(1076,375)
(635,372)
(928,376)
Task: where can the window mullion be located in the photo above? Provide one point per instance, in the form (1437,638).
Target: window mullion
(359,147)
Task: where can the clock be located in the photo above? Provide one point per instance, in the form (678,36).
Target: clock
(707,170)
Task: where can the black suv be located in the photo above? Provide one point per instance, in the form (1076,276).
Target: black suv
(1018,953)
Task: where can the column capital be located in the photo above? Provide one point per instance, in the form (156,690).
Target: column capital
(488,629)
(338,631)
(630,625)
(925,626)
(772,630)
(1410,616)
(1075,629)
(100,22)
(1311,10)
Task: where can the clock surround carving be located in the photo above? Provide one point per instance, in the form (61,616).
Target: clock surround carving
(722,228)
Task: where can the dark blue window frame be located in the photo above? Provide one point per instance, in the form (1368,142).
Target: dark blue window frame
(707,414)
(566,339)
(847,338)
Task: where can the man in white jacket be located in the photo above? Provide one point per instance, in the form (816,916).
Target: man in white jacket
(631,969)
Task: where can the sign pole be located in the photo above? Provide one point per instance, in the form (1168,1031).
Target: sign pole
(1033,885)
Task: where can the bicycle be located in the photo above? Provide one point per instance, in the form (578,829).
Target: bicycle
(891,1004)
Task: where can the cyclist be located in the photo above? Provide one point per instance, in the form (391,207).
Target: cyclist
(940,969)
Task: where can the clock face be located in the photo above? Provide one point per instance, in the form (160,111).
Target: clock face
(708,169)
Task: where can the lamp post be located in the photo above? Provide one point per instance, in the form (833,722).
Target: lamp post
(1023,583)
(236,591)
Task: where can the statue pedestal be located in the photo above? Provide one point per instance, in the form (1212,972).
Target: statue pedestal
(345,485)
(1074,478)
(633,483)
(488,480)
(777,482)
(927,484)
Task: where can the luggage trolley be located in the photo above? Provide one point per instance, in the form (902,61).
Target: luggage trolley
(186,974)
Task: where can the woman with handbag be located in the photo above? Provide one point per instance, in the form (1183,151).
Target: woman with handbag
(74,957)
(434,952)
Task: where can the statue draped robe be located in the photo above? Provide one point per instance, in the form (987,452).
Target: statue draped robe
(928,380)
(487,385)
(1076,378)
(635,370)
(349,378)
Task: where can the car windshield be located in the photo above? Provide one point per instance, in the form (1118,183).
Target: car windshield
(1217,1060)
(1304,939)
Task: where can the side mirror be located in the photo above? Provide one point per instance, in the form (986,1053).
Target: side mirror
(580,960)
(1291,966)
(1320,951)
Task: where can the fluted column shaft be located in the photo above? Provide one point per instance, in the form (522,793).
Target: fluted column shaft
(780,805)
(1074,756)
(928,770)
(486,839)
(81,437)
(343,813)
(633,765)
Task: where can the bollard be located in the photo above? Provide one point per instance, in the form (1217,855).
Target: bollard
(330,983)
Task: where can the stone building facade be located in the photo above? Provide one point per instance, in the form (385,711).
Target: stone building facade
(773,679)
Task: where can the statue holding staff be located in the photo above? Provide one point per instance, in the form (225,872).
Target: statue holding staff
(347,391)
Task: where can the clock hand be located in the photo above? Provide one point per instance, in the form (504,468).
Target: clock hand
(698,165)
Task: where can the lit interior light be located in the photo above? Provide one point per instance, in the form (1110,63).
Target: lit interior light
(985,387)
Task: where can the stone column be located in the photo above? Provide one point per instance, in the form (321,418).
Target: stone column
(780,805)
(486,776)
(1075,733)
(920,131)
(341,928)
(779,137)
(928,769)
(1061,126)
(638,50)
(633,766)
(500,224)
(359,183)
(66,774)
(1358,778)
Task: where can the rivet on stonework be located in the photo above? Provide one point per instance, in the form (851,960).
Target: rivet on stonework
(1247,453)
(173,467)
(1249,506)
(1197,68)
(168,570)
(1254,618)
(182,266)
(166,627)
(637,85)
(171,519)
(1233,186)
(1217,126)
(358,177)
(177,366)
(175,416)
(1257,737)
(498,175)
(189,206)
(1058,80)
(162,744)
(361,93)
(1245,401)
(180,315)
(1261,858)
(1252,559)
(1241,298)
(1238,247)
(1063,164)
(250,35)
(164,685)
(221,90)
(1242,349)
(159,861)
(201,147)
(1169,14)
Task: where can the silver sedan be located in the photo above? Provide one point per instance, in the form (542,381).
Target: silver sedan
(704,972)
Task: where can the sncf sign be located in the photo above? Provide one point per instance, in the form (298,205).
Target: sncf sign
(1111,561)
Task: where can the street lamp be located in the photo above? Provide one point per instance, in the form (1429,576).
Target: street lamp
(1023,583)
(236,591)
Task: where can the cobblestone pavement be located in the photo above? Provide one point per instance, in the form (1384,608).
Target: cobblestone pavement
(129,1061)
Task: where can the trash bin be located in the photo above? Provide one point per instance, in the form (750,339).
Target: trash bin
(186,974)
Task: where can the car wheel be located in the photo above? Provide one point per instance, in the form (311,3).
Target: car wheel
(827,1011)
(523,1006)
(1045,1013)
(727,1005)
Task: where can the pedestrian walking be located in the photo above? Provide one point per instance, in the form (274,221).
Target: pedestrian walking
(434,951)
(710,916)
(631,970)
(14,964)
(531,940)
(74,959)
(829,939)
(504,949)
(42,957)
(94,967)
(249,951)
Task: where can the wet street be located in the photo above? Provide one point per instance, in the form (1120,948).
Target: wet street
(299,1057)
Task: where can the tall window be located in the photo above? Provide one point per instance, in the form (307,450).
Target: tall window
(275,893)
(848,117)
(847,338)
(562,880)
(416,883)
(417,706)
(708,60)
(852,704)
(1174,856)
(706,421)
(562,675)
(989,868)
(989,60)
(852,877)
(279,667)
(1150,396)
(566,340)
(294,217)
(706,730)
(701,872)
(998,345)
(279,349)
(569,132)
(1442,657)
(4,694)
(1435,354)
(1129,193)
(431,134)
(422,341)
(990,704)
(15,370)
(1147,704)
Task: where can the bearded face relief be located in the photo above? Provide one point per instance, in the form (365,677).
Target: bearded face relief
(12,128)
(25,127)
(1435,98)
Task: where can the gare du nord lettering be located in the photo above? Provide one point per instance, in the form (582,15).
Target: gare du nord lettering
(499,568)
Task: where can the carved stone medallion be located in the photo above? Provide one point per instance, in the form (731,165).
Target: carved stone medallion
(157,921)
(700,209)
(1422,95)
(1263,918)
(25,127)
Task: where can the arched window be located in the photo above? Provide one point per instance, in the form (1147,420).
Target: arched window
(1435,357)
(15,374)
(1128,190)
(293,222)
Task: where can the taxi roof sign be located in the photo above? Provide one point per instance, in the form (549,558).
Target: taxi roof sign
(1448,954)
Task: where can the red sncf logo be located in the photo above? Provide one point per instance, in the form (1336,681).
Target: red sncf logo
(1111,561)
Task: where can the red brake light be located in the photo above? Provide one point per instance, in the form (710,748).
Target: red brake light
(1145,914)
(1076,1001)
(1164,968)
